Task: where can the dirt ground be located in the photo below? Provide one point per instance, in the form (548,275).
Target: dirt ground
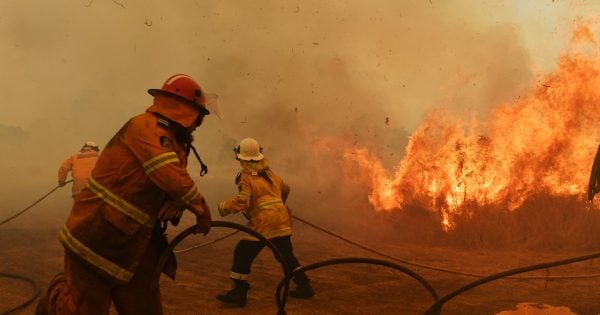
(29,247)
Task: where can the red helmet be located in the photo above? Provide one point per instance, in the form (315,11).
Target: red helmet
(185,89)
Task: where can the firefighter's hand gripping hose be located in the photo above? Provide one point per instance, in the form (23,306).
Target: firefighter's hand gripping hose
(36,288)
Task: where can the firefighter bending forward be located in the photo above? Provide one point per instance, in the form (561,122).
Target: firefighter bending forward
(113,236)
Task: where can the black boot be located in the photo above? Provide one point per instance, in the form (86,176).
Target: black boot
(303,288)
(237,295)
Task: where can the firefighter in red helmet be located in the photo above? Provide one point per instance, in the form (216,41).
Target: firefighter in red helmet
(114,233)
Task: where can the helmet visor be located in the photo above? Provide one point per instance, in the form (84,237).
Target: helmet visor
(213,105)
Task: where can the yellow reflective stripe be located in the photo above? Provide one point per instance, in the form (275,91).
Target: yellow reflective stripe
(159,161)
(190,195)
(238,276)
(222,210)
(90,256)
(243,193)
(267,203)
(120,204)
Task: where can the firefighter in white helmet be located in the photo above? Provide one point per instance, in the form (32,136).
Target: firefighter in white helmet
(80,165)
(261,198)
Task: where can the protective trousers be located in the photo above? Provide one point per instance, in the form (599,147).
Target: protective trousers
(85,292)
(246,251)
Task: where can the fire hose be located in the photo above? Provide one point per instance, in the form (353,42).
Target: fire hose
(33,204)
(35,287)
(31,282)
(281,297)
(456,272)
(435,308)
(283,287)
(187,232)
(284,283)
(408,262)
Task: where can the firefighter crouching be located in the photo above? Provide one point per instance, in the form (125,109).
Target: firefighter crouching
(80,165)
(261,197)
(112,236)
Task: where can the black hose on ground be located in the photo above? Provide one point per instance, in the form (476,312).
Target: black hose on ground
(281,299)
(434,309)
(283,287)
(35,287)
(430,267)
(437,306)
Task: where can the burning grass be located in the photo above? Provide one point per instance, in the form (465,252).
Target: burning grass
(514,178)
(540,223)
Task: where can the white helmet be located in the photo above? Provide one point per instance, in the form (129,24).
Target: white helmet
(249,150)
(90,145)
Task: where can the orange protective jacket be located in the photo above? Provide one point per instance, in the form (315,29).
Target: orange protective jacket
(140,169)
(260,201)
(81,166)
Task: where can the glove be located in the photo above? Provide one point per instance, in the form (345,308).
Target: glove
(222,211)
(171,211)
(203,217)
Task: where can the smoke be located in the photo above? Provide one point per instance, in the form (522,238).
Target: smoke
(287,73)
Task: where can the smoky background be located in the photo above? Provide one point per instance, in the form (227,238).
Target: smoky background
(287,73)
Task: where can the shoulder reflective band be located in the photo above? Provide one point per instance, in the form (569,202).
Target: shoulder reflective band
(125,207)
(159,161)
(93,258)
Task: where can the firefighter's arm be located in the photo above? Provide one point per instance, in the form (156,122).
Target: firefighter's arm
(239,202)
(166,171)
(203,216)
(185,195)
(172,210)
(63,170)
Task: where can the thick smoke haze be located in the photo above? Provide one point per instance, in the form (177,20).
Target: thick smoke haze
(287,73)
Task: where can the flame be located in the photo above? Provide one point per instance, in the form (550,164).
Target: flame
(543,143)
